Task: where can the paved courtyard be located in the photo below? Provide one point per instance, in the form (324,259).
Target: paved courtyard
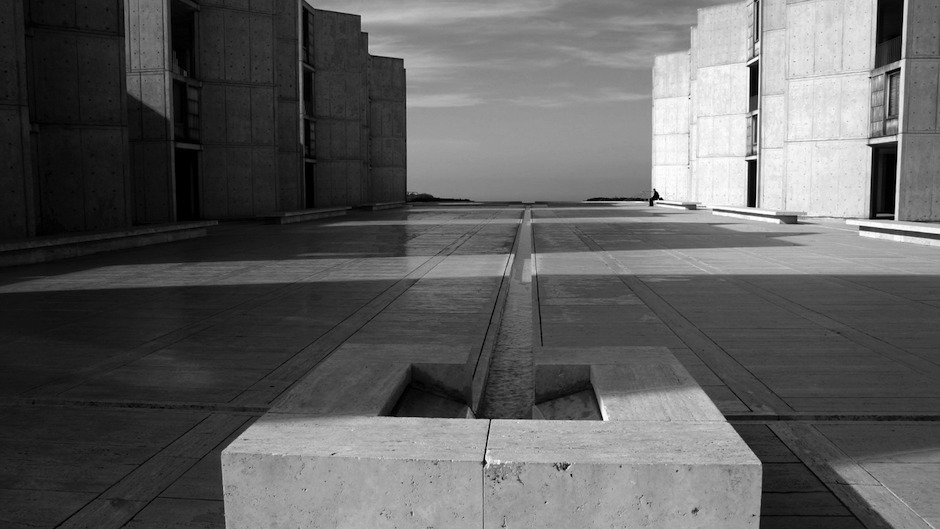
(125,374)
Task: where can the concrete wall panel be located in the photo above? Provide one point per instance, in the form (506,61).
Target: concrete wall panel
(854,106)
(775,15)
(238,114)
(262,115)
(722,35)
(262,48)
(155,116)
(799,170)
(151,34)
(288,126)
(101,81)
(918,185)
(60,180)
(773,63)
(103,177)
(240,200)
(800,101)
(264,179)
(858,25)
(722,90)
(99,15)
(826,106)
(671,75)
(923,28)
(55,69)
(213,105)
(827,40)
(801,34)
(52,12)
(773,121)
(922,84)
(237,46)
(212,45)
(289,175)
(721,136)
(14,165)
(215,182)
(772,186)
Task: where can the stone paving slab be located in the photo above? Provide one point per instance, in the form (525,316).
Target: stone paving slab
(747,307)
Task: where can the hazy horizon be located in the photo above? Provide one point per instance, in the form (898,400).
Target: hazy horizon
(527,99)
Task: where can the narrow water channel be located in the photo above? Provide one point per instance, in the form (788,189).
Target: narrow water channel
(509,391)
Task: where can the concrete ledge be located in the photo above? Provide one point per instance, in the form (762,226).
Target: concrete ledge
(677,205)
(383,205)
(323,456)
(566,474)
(303,215)
(53,247)
(900,231)
(761,215)
(309,471)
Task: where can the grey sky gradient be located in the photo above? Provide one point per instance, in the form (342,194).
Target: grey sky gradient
(527,99)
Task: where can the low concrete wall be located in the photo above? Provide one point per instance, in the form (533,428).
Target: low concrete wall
(324,456)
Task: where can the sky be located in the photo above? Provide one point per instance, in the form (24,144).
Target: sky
(527,99)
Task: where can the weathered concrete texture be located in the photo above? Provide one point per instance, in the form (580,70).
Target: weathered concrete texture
(387,129)
(16,187)
(671,121)
(624,474)
(73,73)
(355,472)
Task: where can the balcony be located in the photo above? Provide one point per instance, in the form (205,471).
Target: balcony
(888,52)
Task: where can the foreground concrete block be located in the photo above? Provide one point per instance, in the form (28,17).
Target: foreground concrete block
(305,471)
(569,474)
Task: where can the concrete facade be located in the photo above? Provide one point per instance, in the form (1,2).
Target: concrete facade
(831,134)
(115,113)
(63,118)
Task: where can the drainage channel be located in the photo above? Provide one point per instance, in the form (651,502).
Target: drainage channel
(509,389)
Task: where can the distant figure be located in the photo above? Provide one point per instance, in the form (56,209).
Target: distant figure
(655,197)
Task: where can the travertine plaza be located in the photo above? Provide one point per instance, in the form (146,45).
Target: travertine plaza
(127,373)
(821,106)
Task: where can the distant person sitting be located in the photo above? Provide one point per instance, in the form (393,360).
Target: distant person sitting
(655,197)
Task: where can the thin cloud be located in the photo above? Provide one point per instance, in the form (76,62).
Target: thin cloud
(444,101)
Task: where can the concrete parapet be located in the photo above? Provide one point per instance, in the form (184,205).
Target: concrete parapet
(562,474)
(50,248)
(911,232)
(303,215)
(677,205)
(662,457)
(309,471)
(761,215)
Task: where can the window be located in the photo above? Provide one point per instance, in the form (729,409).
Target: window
(310,139)
(183,38)
(757,21)
(185,112)
(308,89)
(307,36)
(893,94)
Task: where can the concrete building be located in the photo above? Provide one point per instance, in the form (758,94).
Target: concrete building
(115,113)
(63,118)
(825,106)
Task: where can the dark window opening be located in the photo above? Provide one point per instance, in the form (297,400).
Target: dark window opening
(306,31)
(893,94)
(187,185)
(752,134)
(890,27)
(183,38)
(310,139)
(757,24)
(308,93)
(752,183)
(884,182)
(310,184)
(753,87)
(185,112)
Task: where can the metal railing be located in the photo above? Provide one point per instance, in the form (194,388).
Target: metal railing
(887,52)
